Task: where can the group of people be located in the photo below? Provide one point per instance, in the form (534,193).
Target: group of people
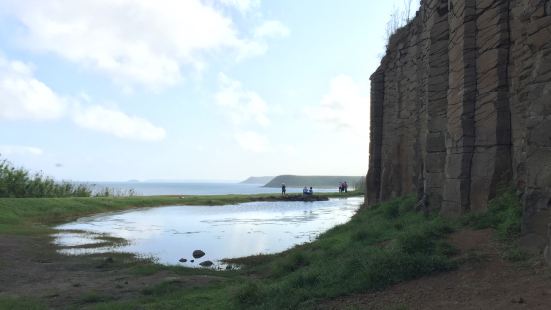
(305,190)
(343,187)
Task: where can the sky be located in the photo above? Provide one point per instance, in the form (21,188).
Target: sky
(113,90)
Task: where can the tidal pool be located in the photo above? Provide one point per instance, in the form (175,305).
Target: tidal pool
(170,233)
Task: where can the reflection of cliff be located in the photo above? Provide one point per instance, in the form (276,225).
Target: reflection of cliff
(461,106)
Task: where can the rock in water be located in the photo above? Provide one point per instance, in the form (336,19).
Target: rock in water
(182,260)
(198,254)
(206,263)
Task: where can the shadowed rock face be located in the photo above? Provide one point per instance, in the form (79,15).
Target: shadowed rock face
(461,108)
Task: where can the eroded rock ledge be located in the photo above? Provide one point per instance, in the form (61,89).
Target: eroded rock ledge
(461,107)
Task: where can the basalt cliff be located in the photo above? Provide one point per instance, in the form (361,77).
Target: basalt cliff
(461,108)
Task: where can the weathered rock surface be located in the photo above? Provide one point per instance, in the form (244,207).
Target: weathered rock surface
(461,108)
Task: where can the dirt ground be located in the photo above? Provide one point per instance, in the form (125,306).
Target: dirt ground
(485,281)
(30,267)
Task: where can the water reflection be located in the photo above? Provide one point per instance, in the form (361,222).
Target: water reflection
(171,233)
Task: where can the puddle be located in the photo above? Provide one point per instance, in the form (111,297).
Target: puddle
(170,233)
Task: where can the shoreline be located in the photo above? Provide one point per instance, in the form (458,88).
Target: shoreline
(36,215)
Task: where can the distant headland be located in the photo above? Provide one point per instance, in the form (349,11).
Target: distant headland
(322,181)
(257,180)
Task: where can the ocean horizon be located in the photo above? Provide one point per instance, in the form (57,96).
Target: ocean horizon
(194,188)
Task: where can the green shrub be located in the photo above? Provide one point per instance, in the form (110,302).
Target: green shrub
(504,214)
(249,294)
(18,182)
(291,263)
(378,247)
(515,254)
(391,210)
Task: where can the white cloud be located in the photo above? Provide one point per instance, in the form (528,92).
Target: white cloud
(24,97)
(117,123)
(346,106)
(271,28)
(252,141)
(12,150)
(242,5)
(241,105)
(133,42)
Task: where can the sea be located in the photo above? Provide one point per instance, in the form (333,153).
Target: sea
(193,188)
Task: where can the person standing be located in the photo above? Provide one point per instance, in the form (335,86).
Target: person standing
(283,189)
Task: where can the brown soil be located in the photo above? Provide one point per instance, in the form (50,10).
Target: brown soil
(30,267)
(484,281)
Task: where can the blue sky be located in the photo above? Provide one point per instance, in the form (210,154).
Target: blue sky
(113,90)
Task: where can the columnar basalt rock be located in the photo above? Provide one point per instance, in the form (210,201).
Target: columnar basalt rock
(461,108)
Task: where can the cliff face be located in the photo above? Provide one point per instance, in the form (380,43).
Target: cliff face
(461,107)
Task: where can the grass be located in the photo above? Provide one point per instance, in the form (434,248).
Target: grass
(19,303)
(369,253)
(504,214)
(19,182)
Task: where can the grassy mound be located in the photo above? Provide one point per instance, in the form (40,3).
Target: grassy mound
(386,244)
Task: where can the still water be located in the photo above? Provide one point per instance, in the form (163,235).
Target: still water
(170,233)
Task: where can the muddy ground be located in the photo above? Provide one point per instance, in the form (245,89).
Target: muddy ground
(30,267)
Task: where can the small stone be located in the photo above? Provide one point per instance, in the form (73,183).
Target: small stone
(206,263)
(182,260)
(198,254)
(519,300)
(192,260)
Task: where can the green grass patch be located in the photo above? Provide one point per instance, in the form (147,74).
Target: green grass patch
(20,303)
(386,244)
(504,214)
